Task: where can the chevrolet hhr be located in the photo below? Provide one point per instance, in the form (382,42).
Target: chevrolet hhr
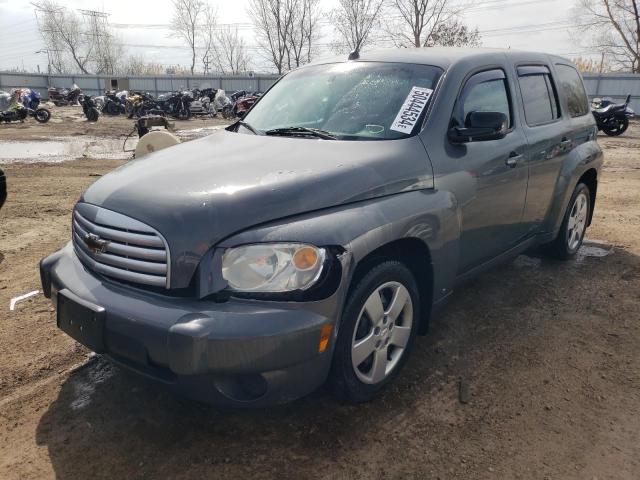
(312,241)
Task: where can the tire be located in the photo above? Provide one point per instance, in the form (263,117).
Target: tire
(569,240)
(621,126)
(42,115)
(388,337)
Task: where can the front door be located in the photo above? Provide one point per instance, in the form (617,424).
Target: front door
(493,174)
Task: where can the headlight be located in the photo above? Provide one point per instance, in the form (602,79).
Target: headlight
(272,267)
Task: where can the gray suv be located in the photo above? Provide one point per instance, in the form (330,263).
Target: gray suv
(314,239)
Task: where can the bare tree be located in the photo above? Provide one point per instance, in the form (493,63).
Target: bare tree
(613,28)
(185,24)
(355,21)
(303,33)
(419,20)
(454,33)
(64,36)
(230,51)
(273,21)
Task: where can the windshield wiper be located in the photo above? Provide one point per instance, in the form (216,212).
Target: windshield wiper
(315,132)
(244,124)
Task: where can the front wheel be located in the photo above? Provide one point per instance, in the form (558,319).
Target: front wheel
(617,127)
(378,327)
(42,115)
(574,225)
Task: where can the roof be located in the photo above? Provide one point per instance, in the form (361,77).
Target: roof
(443,57)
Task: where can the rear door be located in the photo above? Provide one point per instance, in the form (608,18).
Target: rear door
(549,136)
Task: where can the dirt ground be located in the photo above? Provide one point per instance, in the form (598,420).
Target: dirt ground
(546,353)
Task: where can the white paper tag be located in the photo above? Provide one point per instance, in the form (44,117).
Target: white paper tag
(411,109)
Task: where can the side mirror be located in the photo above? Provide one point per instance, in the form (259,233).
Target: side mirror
(480,127)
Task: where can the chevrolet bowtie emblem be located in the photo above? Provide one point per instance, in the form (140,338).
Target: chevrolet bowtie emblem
(95,243)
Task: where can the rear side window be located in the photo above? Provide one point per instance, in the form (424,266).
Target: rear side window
(484,92)
(572,88)
(539,95)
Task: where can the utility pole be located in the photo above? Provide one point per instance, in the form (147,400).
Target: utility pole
(101,40)
(206,62)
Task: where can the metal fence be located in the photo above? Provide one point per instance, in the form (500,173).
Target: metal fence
(614,85)
(96,84)
(617,86)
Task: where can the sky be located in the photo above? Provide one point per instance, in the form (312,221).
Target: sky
(541,25)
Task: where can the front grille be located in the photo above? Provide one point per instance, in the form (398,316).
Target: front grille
(134,252)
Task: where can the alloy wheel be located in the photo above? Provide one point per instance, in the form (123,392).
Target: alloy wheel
(382,332)
(577,221)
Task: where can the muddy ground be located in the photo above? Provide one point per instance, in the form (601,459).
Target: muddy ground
(548,353)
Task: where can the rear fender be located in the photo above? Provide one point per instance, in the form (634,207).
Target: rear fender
(582,158)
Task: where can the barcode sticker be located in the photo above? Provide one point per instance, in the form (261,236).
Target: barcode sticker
(411,110)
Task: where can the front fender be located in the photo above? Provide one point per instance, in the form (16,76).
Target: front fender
(362,227)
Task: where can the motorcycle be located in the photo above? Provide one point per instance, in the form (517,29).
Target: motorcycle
(223,104)
(30,99)
(90,109)
(18,113)
(242,102)
(112,104)
(612,119)
(203,103)
(64,96)
(176,104)
(140,104)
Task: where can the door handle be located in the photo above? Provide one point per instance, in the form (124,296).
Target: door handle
(513,159)
(566,143)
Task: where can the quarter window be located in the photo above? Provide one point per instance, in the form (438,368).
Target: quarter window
(539,95)
(484,92)
(573,89)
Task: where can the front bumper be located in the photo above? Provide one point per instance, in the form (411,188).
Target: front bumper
(239,352)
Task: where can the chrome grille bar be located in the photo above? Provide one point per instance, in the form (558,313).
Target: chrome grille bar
(133,251)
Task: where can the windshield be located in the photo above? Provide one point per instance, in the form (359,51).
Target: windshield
(352,101)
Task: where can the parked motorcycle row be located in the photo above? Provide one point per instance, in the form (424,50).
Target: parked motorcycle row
(181,105)
(21,103)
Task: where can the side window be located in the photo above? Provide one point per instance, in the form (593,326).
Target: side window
(484,92)
(572,88)
(539,95)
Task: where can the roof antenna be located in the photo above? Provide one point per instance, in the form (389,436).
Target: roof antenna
(355,55)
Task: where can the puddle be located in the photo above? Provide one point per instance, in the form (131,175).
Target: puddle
(61,149)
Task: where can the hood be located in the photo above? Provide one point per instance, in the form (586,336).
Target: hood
(199,192)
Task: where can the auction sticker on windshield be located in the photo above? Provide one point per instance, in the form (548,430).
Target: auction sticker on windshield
(411,110)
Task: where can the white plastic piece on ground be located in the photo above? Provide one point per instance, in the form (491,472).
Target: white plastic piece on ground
(14,300)
(594,252)
(155,140)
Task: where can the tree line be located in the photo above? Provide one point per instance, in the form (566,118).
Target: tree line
(290,33)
